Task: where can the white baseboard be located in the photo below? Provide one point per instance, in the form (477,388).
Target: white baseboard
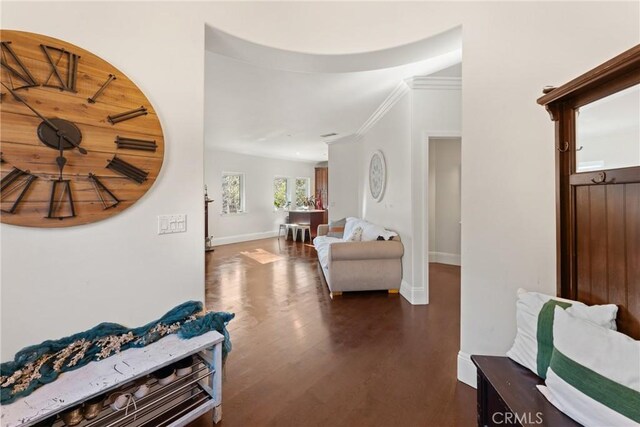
(444,258)
(416,296)
(467,370)
(217,241)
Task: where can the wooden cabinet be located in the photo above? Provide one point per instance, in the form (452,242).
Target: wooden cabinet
(322,186)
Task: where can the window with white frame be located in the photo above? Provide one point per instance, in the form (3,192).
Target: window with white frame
(280,193)
(232,193)
(303,191)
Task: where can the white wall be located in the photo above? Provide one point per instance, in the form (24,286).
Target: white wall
(259,220)
(444,200)
(59,281)
(345,168)
(392,136)
(508,209)
(511,50)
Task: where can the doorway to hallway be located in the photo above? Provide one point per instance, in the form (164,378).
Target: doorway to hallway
(444,200)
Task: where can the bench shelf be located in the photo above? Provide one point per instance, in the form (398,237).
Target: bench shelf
(174,404)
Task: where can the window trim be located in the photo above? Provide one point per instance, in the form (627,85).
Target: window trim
(243,205)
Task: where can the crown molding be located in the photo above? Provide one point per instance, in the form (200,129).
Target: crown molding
(396,94)
(412,83)
(342,140)
(434,83)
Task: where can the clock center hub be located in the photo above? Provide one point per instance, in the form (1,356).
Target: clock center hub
(51,137)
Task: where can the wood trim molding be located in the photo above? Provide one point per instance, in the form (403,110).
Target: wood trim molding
(434,83)
(618,65)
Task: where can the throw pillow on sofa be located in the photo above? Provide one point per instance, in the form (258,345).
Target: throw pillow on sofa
(533,344)
(350,224)
(355,236)
(336,228)
(594,375)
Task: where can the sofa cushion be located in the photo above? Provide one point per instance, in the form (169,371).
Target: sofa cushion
(350,224)
(336,228)
(321,243)
(355,236)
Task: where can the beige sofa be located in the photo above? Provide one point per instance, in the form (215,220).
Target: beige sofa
(359,266)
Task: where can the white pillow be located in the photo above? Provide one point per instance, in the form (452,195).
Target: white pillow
(350,225)
(355,236)
(533,344)
(594,375)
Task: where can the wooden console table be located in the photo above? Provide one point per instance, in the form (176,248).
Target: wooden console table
(172,405)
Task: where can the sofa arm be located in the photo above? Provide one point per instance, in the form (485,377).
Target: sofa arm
(323,229)
(366,250)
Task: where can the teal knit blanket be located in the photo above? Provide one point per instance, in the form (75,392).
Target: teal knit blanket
(41,364)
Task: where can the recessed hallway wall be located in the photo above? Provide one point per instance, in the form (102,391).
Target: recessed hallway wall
(444,200)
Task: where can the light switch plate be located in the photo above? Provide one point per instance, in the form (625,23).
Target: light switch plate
(169,224)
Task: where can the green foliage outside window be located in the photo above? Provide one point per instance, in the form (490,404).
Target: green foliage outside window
(232,193)
(280,192)
(302,191)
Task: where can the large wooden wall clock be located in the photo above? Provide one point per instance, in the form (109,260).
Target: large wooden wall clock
(80,141)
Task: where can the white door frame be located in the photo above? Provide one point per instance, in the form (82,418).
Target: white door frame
(419,293)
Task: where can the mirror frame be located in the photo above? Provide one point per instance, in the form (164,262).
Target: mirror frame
(619,73)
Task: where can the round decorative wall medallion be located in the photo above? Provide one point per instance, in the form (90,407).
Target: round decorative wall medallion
(80,141)
(377,175)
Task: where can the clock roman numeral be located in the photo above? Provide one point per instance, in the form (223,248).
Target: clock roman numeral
(127,169)
(15,180)
(18,69)
(136,144)
(111,78)
(61,200)
(108,199)
(66,78)
(127,115)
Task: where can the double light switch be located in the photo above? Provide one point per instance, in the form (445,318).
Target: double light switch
(168,224)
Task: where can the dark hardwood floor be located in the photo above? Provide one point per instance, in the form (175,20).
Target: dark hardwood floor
(364,359)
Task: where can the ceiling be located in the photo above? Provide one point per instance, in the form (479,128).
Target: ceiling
(274,103)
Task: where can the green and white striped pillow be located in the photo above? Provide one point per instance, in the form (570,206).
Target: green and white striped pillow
(535,317)
(594,374)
